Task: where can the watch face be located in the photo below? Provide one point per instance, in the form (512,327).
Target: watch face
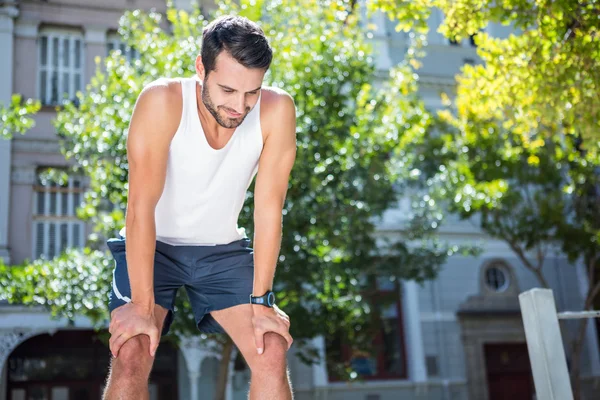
(271,299)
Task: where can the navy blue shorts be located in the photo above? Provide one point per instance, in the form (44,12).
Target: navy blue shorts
(214,277)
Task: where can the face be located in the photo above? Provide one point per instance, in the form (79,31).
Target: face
(230,91)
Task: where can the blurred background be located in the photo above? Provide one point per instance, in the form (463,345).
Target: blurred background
(447,162)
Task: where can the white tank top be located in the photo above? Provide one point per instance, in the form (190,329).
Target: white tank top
(205,188)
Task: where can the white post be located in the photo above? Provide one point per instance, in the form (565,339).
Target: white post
(229,387)
(320,377)
(319,369)
(8,12)
(417,371)
(544,342)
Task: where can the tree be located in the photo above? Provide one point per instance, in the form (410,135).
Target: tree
(69,285)
(16,117)
(342,182)
(541,201)
(542,78)
(519,147)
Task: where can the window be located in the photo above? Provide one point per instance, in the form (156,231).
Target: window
(496,278)
(60,66)
(55,224)
(114,42)
(386,359)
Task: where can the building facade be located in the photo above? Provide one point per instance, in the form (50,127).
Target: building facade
(457,337)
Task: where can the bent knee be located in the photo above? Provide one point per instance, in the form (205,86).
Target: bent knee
(273,360)
(134,358)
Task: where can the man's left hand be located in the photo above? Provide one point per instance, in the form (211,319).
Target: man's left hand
(267,319)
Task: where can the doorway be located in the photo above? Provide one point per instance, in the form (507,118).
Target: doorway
(508,371)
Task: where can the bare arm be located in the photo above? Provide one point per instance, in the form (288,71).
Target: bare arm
(153,124)
(275,165)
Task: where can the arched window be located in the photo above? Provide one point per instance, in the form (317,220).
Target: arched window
(497,278)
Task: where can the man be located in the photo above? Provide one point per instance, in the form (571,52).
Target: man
(194,145)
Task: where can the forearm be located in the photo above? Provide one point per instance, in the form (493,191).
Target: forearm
(267,243)
(140,247)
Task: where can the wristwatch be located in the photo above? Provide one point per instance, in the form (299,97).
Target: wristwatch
(267,299)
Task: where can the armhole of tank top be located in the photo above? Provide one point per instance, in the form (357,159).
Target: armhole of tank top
(260,138)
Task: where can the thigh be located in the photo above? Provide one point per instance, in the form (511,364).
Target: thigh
(237,323)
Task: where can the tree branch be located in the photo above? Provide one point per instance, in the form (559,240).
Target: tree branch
(536,271)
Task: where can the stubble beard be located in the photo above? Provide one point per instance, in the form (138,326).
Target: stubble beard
(229,123)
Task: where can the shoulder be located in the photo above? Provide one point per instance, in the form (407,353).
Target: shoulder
(156,116)
(160,103)
(162,92)
(275,99)
(277,109)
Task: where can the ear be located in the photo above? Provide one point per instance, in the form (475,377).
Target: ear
(200,67)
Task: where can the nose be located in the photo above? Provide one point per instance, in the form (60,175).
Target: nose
(240,105)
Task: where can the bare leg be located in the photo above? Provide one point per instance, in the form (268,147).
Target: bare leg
(128,376)
(270,377)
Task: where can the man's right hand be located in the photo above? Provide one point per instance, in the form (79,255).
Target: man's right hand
(131,320)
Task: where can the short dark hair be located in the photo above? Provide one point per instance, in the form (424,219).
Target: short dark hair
(243,39)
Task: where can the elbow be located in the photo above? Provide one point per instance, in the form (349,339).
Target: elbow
(268,215)
(139,210)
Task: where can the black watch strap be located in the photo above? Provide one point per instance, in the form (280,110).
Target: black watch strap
(267,299)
